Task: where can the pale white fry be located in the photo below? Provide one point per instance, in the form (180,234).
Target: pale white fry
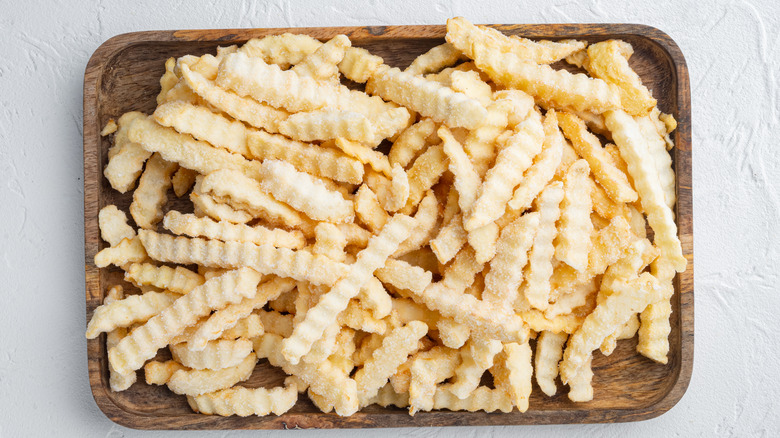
(168,80)
(158,373)
(143,343)
(245,109)
(125,158)
(358,318)
(450,239)
(453,334)
(179,279)
(470,84)
(394,196)
(183,180)
(328,124)
(299,265)
(428,98)
(549,351)
(428,369)
(466,36)
(229,316)
(633,149)
(368,210)
(377,160)
(322,64)
(204,125)
(190,225)
(476,357)
(375,298)
(249,194)
(150,195)
(206,205)
(656,148)
(572,243)
(117,382)
(513,373)
(537,289)
(542,171)
(216,355)
(285,49)
(197,382)
(506,173)
(113,225)
(481,399)
(127,251)
(607,61)
(247,401)
(358,64)
(310,158)
(248,327)
(402,275)
(424,173)
(483,240)
(324,379)
(276,323)
(506,269)
(379,248)
(411,141)
(395,348)
(435,59)
(426,219)
(580,388)
(467,180)
(304,193)
(185,150)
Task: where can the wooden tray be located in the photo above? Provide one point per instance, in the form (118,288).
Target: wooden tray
(123,74)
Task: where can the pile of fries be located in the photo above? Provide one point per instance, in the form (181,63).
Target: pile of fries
(496,223)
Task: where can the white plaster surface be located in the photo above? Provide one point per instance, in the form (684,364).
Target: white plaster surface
(732,53)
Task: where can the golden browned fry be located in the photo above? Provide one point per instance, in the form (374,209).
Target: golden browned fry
(603,205)
(252,77)
(368,210)
(143,343)
(125,158)
(606,61)
(322,64)
(249,194)
(245,401)
(407,311)
(204,125)
(411,141)
(537,286)
(358,64)
(229,316)
(326,124)
(482,399)
(506,269)
(541,172)
(240,108)
(299,265)
(614,182)
(428,98)
(180,279)
(285,49)
(506,173)
(379,248)
(466,36)
(571,244)
(629,297)
(158,373)
(197,382)
(185,150)
(424,173)
(216,355)
(549,351)
(304,193)
(126,251)
(183,180)
(117,382)
(396,347)
(323,378)
(193,226)
(435,60)
(150,196)
(109,128)
(559,88)
(168,80)
(113,225)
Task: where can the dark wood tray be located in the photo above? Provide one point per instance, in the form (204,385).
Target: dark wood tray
(123,74)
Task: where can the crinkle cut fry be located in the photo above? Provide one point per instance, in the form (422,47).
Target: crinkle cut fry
(197,382)
(411,141)
(506,269)
(194,226)
(324,379)
(179,279)
(245,401)
(204,125)
(322,64)
(126,251)
(513,373)
(327,124)
(185,150)
(482,399)
(428,98)
(125,158)
(435,59)
(218,354)
(571,246)
(151,193)
(558,87)
(540,269)
(117,382)
(299,265)
(285,49)
(379,248)
(549,351)
(424,174)
(465,36)
(607,61)
(358,64)
(143,343)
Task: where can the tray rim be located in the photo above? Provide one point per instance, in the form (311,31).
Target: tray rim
(683,163)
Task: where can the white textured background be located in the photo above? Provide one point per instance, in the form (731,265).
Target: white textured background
(734,60)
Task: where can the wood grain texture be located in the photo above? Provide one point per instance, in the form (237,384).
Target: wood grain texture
(123,75)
